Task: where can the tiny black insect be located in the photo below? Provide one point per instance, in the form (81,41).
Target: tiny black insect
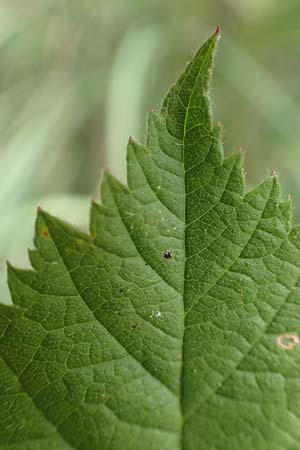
(168,254)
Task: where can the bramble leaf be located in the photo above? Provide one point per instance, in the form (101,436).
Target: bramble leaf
(174,324)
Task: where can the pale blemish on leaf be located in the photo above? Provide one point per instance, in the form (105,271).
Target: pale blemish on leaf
(288,341)
(156,314)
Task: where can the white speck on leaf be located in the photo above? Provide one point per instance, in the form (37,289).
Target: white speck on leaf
(156,314)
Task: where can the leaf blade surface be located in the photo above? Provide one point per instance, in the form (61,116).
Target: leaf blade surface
(159,329)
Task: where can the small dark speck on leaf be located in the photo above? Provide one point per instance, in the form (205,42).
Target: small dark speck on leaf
(135,327)
(168,254)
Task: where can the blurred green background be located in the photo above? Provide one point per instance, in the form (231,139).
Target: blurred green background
(77,77)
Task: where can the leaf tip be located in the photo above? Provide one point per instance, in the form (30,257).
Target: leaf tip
(11,270)
(289,197)
(218,31)
(240,150)
(273,173)
(131,142)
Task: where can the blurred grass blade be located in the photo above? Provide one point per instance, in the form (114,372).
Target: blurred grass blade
(262,90)
(130,70)
(21,156)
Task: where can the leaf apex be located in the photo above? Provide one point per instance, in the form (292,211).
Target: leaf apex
(131,142)
(11,269)
(274,173)
(41,213)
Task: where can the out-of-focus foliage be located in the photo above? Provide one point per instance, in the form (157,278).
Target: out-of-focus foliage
(65,112)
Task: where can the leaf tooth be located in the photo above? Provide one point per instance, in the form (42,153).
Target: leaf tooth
(35,258)
(135,176)
(20,283)
(160,141)
(52,222)
(236,181)
(161,181)
(258,192)
(294,236)
(286,212)
(109,182)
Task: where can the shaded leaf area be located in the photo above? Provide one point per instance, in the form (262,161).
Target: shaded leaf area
(159,329)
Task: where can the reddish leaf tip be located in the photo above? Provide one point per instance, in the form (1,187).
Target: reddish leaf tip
(39,209)
(218,31)
(131,140)
(273,173)
(8,264)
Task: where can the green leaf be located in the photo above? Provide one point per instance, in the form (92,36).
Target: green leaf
(174,324)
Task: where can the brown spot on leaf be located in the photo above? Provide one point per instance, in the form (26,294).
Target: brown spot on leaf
(45,233)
